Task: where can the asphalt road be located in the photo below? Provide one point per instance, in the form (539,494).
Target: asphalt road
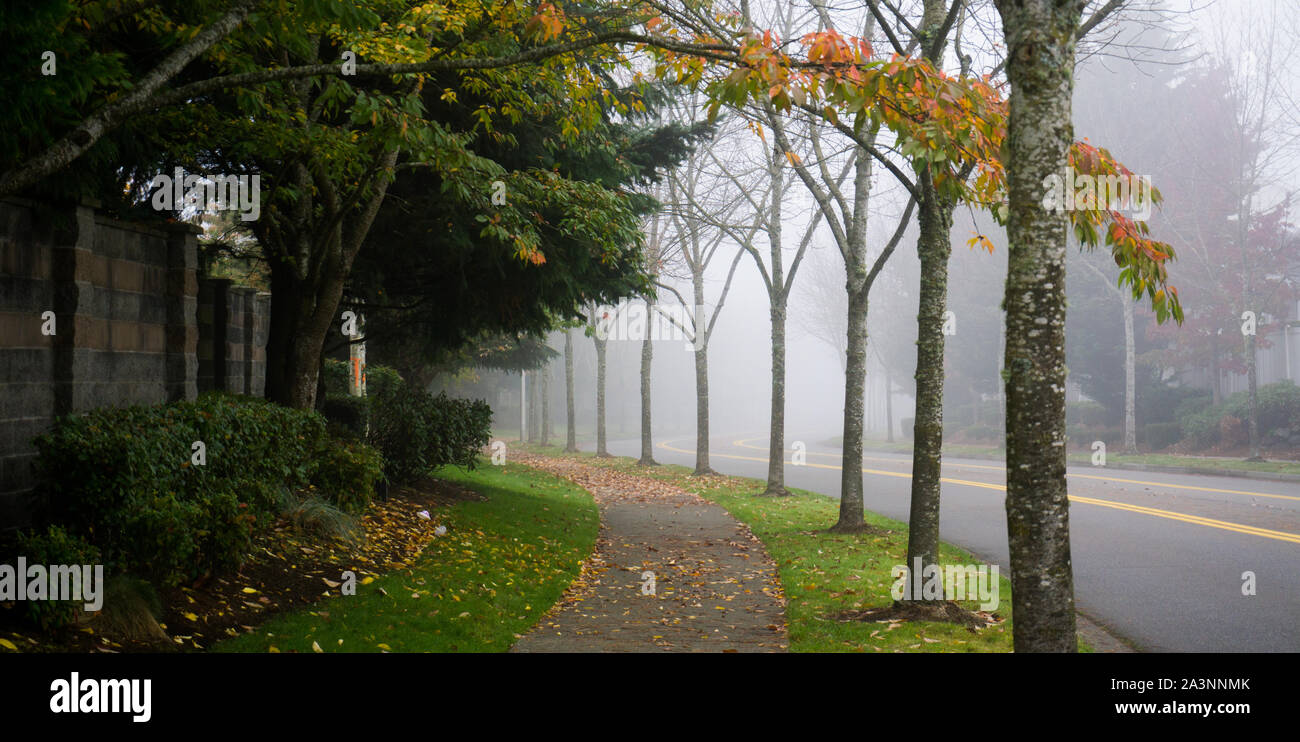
(1158,558)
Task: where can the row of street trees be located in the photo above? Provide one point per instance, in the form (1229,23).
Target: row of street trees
(983,153)
(524,121)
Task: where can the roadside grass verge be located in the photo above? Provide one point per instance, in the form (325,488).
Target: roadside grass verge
(1209,464)
(501,565)
(824,574)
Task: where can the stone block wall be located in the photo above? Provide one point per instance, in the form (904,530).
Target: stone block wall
(126,326)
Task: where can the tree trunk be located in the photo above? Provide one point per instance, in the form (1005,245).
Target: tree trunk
(857,286)
(701,337)
(933,248)
(1252,381)
(523,406)
(546,404)
(534,407)
(776,433)
(308,270)
(702,412)
(647,438)
(600,397)
(855,383)
(1130,380)
(1040,63)
(300,321)
(571,433)
(889,406)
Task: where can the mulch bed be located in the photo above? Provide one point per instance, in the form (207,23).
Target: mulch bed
(285,569)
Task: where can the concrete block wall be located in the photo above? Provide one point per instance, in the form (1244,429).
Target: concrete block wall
(233,325)
(126,304)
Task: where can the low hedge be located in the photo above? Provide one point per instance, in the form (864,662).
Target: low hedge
(415,431)
(350,414)
(1226,422)
(127,480)
(54,545)
(347,473)
(1158,436)
(418,433)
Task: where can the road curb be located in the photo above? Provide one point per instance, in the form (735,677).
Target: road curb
(1102,639)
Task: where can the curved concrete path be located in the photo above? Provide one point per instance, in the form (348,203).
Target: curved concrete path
(670,572)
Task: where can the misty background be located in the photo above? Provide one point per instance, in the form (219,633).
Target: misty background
(1198,96)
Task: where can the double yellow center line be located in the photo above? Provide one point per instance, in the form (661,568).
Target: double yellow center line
(1157,512)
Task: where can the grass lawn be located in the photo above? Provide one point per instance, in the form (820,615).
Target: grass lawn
(824,574)
(502,564)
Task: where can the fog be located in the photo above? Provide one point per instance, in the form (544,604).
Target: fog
(1199,98)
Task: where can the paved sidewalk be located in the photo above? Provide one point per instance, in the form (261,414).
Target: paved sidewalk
(714,587)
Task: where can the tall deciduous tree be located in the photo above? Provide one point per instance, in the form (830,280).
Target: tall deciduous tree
(599,322)
(1040,37)
(700,243)
(933,248)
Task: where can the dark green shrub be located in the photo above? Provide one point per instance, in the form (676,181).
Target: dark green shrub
(463,429)
(348,412)
(1157,436)
(1192,406)
(1086,413)
(1201,427)
(52,546)
(123,479)
(1227,423)
(414,431)
(1160,403)
(352,414)
(336,376)
(1279,406)
(381,380)
(346,474)
(418,433)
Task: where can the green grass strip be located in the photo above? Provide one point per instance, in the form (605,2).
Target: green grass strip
(503,563)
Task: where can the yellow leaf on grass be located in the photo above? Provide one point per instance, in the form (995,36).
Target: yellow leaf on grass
(315,647)
(190,616)
(250,590)
(384,647)
(8,645)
